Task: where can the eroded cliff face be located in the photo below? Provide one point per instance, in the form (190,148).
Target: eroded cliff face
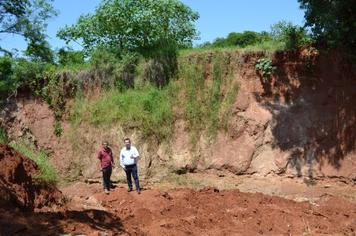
(298,122)
(301,121)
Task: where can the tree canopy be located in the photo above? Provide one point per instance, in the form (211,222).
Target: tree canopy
(332,22)
(143,26)
(240,39)
(27,18)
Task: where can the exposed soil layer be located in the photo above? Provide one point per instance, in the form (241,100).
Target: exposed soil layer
(18,184)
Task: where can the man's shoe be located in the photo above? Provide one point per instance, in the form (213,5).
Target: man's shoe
(129,190)
(106,191)
(139,191)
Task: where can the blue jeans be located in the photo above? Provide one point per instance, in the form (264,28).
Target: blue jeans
(132,170)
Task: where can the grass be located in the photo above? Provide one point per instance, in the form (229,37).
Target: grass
(208,99)
(193,75)
(227,103)
(3,136)
(269,46)
(48,174)
(148,109)
(214,96)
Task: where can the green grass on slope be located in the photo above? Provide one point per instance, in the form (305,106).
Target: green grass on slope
(210,90)
(147,109)
(269,46)
(47,173)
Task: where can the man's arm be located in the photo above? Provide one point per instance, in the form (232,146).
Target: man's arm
(112,158)
(136,154)
(121,160)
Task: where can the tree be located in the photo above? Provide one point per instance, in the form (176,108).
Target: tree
(5,67)
(243,39)
(143,26)
(27,18)
(292,35)
(332,21)
(40,50)
(67,56)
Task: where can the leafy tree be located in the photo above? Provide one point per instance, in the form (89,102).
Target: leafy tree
(220,42)
(143,26)
(5,67)
(27,18)
(292,35)
(332,21)
(67,56)
(243,39)
(40,50)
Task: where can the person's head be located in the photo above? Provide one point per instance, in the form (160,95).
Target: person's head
(105,145)
(127,143)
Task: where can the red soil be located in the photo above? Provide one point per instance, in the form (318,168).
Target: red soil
(29,208)
(17,185)
(182,212)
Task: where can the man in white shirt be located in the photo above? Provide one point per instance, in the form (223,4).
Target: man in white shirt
(128,161)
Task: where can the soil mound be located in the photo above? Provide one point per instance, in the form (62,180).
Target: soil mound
(231,212)
(18,184)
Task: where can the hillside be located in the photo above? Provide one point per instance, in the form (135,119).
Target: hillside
(219,113)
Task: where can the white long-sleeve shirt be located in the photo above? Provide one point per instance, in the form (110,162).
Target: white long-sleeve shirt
(128,156)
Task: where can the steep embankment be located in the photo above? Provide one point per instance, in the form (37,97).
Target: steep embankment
(298,122)
(19,187)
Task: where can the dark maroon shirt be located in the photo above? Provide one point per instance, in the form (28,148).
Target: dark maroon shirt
(105,157)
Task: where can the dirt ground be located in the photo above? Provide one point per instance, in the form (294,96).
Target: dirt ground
(182,211)
(318,208)
(213,203)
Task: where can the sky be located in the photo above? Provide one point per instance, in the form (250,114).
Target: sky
(217,18)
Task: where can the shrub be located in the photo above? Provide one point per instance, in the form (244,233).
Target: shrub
(292,36)
(264,67)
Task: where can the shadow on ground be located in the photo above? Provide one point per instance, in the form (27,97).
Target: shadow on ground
(54,223)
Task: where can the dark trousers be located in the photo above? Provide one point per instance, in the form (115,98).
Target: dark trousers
(106,177)
(132,170)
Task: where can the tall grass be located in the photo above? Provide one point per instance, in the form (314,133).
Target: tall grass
(148,109)
(214,96)
(210,90)
(228,101)
(192,73)
(47,174)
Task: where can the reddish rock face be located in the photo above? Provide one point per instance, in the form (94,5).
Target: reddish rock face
(234,155)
